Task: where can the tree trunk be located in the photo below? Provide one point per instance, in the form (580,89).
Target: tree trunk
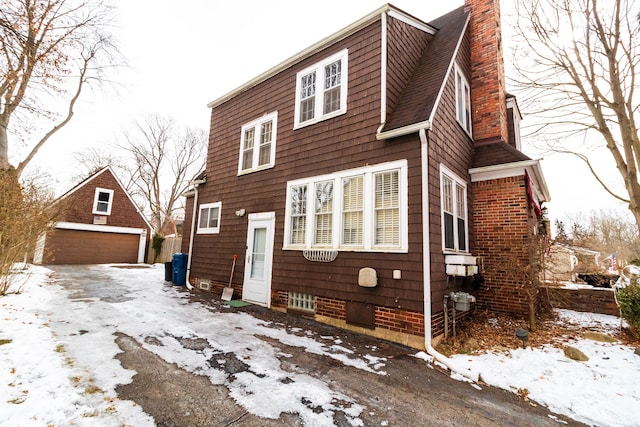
(4,147)
(532,317)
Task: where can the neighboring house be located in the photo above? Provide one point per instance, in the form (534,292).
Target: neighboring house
(368,177)
(100,224)
(565,262)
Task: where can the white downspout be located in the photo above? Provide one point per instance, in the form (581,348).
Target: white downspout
(194,212)
(426,263)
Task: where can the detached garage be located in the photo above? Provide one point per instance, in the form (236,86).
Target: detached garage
(100,224)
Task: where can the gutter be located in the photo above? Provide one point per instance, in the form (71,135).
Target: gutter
(426,262)
(193,192)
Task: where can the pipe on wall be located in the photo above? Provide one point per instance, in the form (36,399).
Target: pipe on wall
(426,263)
(195,184)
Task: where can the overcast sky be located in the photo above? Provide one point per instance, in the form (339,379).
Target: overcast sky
(182,55)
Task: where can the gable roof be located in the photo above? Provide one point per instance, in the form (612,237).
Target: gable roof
(422,93)
(87,181)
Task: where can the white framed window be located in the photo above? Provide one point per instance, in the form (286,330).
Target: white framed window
(102,201)
(258,144)
(463,101)
(453,205)
(209,218)
(321,90)
(363,209)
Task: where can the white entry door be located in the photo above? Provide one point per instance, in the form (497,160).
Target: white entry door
(259,259)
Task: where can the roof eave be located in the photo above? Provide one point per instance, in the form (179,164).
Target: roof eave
(405,130)
(513,169)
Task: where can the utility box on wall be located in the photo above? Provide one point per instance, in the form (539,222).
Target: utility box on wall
(367,278)
(462,300)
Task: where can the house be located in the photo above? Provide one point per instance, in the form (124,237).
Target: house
(565,262)
(100,224)
(371,179)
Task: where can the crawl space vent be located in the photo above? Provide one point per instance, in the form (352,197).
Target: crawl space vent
(205,284)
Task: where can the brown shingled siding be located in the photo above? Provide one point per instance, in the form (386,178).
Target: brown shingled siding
(344,142)
(448,145)
(340,143)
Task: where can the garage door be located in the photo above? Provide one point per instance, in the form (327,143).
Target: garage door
(90,247)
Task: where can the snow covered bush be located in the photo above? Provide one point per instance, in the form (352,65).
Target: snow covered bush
(629,301)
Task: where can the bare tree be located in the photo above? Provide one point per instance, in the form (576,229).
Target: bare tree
(49,51)
(577,65)
(164,158)
(25,214)
(603,231)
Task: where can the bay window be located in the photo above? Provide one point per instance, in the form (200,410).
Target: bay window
(362,209)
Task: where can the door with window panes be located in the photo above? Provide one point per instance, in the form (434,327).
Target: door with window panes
(259,259)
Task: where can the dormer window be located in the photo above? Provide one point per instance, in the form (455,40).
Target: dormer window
(463,101)
(102,201)
(321,90)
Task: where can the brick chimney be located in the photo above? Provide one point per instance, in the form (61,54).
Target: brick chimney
(488,92)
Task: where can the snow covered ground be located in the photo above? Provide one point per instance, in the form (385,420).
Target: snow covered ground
(48,373)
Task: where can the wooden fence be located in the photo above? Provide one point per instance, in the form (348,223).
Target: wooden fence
(170,246)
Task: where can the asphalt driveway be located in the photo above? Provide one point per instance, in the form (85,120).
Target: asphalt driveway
(315,374)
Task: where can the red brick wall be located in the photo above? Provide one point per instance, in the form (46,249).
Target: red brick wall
(330,307)
(488,93)
(503,235)
(596,300)
(403,321)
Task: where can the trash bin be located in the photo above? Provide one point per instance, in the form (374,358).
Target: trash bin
(168,271)
(179,265)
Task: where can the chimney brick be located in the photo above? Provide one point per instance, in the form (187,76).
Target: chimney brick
(488,92)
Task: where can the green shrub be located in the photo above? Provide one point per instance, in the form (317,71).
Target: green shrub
(156,244)
(629,301)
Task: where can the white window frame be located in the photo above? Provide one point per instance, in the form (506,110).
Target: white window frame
(368,227)
(457,182)
(256,125)
(208,207)
(96,201)
(318,68)
(463,101)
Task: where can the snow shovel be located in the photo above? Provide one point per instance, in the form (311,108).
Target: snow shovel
(227,293)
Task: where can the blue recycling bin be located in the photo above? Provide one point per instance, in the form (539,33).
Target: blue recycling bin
(179,264)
